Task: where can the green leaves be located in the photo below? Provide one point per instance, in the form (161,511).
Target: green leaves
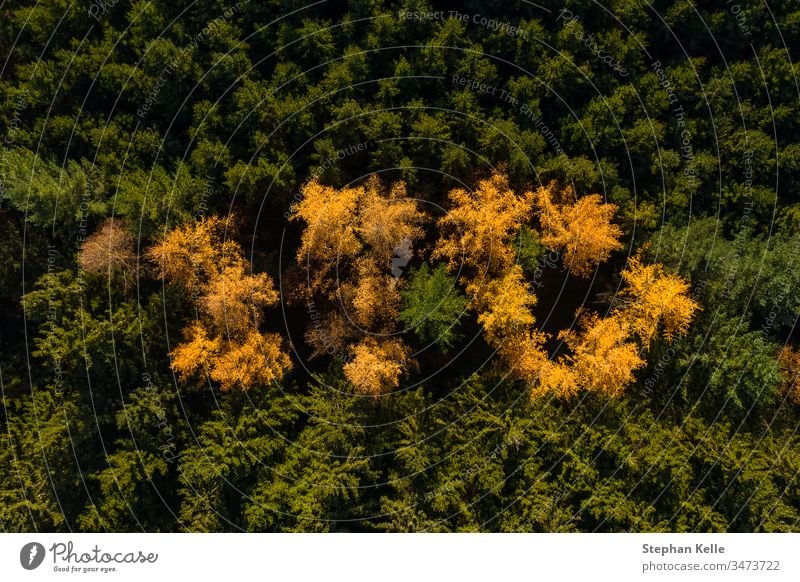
(432,306)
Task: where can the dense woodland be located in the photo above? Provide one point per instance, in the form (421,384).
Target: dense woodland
(399,266)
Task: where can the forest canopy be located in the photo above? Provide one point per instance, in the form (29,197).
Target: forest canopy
(381,266)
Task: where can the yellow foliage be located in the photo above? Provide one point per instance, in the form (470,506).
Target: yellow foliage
(384,223)
(108,251)
(196,354)
(359,230)
(504,304)
(229,299)
(603,357)
(480,225)
(329,334)
(331,220)
(192,254)
(557,379)
(258,360)
(655,299)
(374,298)
(377,365)
(582,229)
(523,354)
(789,360)
(234,299)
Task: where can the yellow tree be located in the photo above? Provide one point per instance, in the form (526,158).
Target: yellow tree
(581,229)
(377,365)
(224,343)
(656,300)
(480,225)
(197,353)
(192,254)
(524,354)
(603,357)
(330,216)
(234,299)
(387,220)
(503,304)
(358,230)
(373,300)
(259,359)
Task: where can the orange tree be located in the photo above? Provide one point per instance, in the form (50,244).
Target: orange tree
(224,342)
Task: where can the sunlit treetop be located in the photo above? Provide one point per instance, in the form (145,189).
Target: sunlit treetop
(480,225)
(580,227)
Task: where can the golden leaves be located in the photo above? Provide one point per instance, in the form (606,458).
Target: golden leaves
(656,298)
(604,358)
(234,299)
(504,304)
(330,217)
(359,230)
(480,225)
(386,221)
(259,359)
(225,342)
(197,353)
(376,365)
(341,223)
(605,354)
(581,229)
(789,361)
(192,254)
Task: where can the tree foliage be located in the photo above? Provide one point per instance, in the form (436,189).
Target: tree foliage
(568,304)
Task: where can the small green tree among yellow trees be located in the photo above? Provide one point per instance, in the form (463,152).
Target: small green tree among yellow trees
(225,342)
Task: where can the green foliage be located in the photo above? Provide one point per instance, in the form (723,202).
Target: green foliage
(432,305)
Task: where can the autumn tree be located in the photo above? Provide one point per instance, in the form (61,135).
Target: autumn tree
(480,225)
(523,354)
(603,356)
(789,360)
(388,219)
(350,239)
(373,297)
(607,351)
(503,304)
(258,359)
(234,299)
(654,299)
(195,253)
(377,365)
(197,354)
(109,251)
(581,228)
(225,342)
(330,217)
